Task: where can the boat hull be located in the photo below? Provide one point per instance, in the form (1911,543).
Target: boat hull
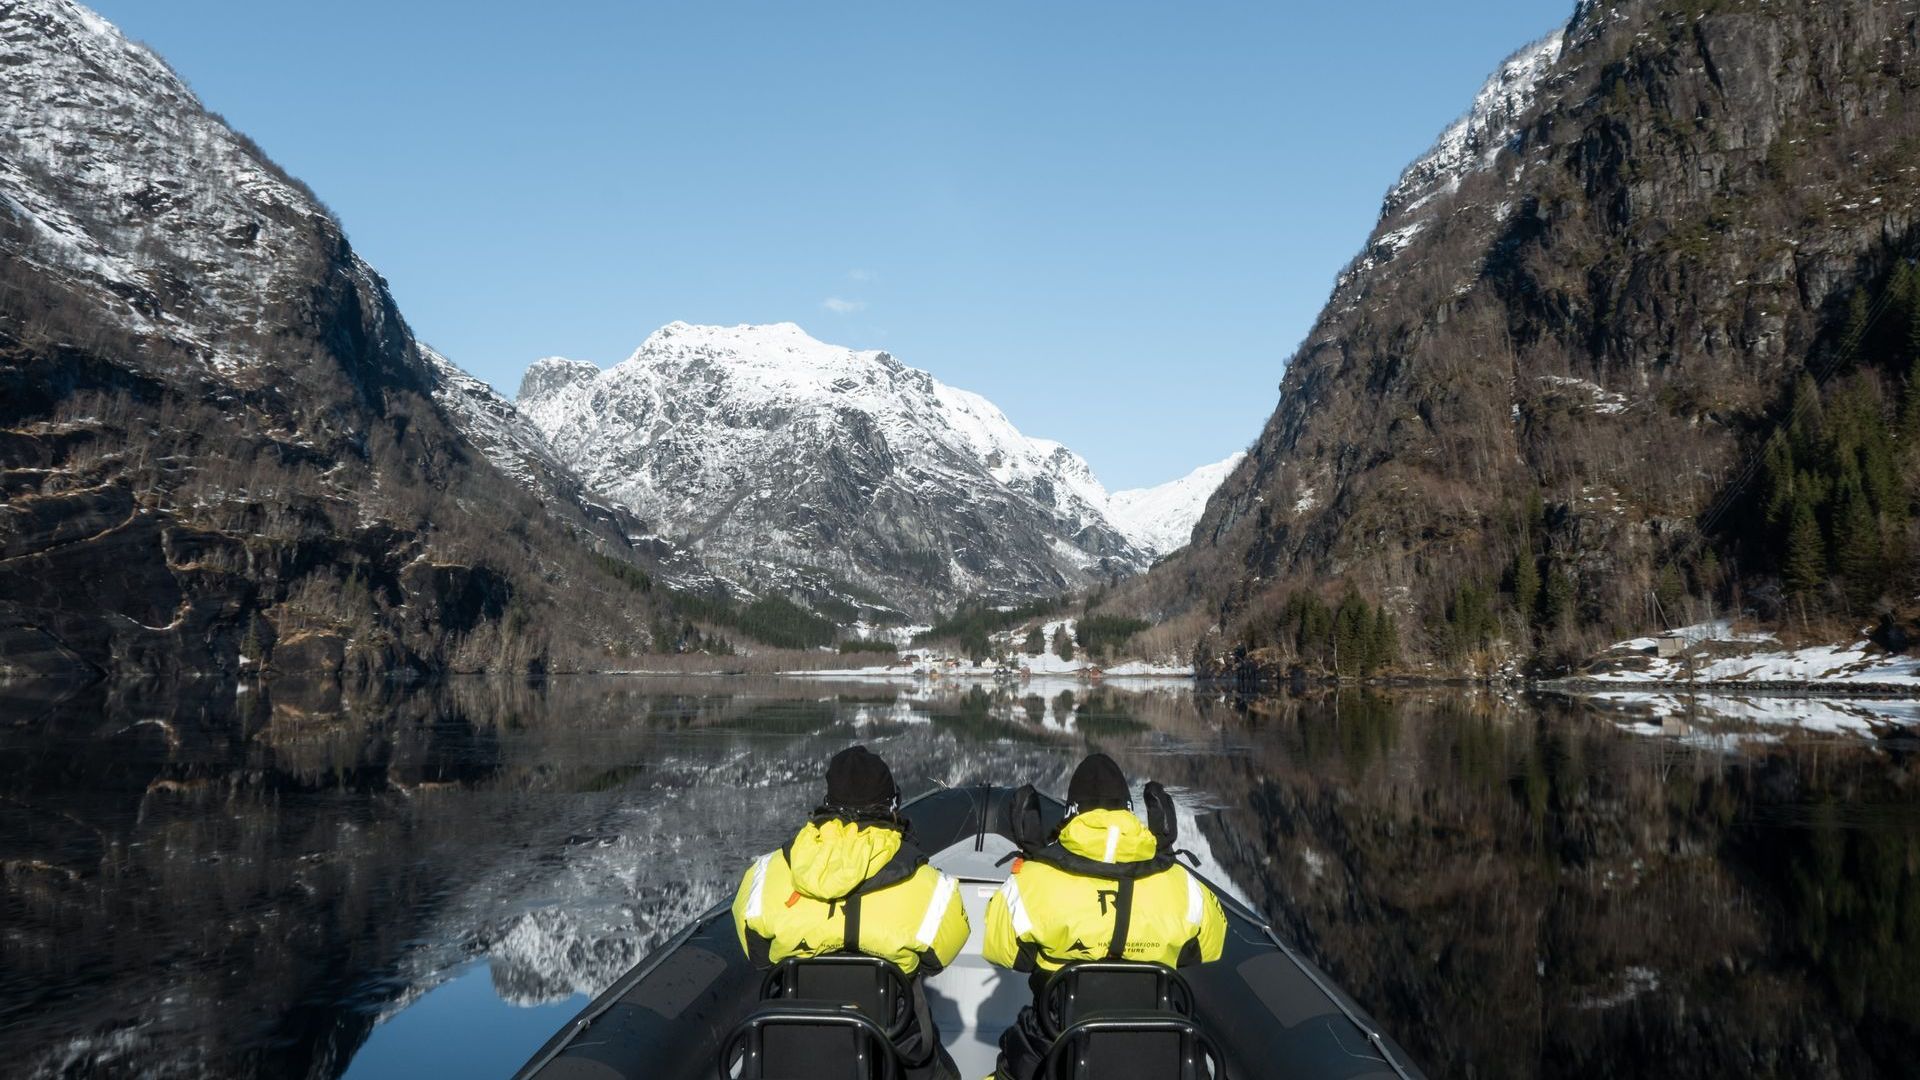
(1266,1009)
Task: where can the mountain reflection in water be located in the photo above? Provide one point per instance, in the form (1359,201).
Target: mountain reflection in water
(199,883)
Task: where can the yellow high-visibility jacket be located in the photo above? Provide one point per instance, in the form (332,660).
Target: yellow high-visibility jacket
(1046,917)
(796,901)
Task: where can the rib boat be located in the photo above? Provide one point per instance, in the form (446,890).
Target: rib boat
(696,1008)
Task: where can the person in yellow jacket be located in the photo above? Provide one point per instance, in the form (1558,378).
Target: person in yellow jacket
(852,880)
(1101,890)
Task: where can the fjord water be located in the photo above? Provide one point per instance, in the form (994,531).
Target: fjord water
(311,881)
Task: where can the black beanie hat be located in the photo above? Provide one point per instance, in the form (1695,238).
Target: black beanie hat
(858,779)
(1098,784)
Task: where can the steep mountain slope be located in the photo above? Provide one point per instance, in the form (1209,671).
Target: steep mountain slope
(767,449)
(1161,518)
(1573,329)
(219,443)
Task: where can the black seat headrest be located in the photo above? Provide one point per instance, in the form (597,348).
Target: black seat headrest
(1028,824)
(1161,821)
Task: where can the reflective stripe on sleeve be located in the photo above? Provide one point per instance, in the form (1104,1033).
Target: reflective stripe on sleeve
(936,910)
(759,885)
(1017,910)
(1196,901)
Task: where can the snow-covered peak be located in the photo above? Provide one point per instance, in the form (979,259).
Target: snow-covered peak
(773,369)
(1474,141)
(777,359)
(761,443)
(1162,518)
(552,374)
(117,181)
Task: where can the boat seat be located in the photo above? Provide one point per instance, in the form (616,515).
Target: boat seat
(802,1041)
(1132,1045)
(1095,987)
(873,985)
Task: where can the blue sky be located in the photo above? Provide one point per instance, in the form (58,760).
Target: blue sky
(1116,220)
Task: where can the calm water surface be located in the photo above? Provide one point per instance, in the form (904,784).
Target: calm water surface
(301,881)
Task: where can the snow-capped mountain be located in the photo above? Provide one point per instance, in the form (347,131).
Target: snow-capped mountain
(115,180)
(1490,126)
(765,447)
(1161,519)
(217,413)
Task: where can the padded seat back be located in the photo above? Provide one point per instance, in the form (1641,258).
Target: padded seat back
(798,1041)
(1132,1046)
(869,983)
(1079,991)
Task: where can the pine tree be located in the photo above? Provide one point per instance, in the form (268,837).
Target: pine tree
(1854,338)
(1875,457)
(1777,479)
(1901,300)
(1472,618)
(1311,624)
(1859,552)
(1036,642)
(1385,643)
(1807,421)
(1707,573)
(1806,556)
(1913,314)
(1668,590)
(1353,637)
(1557,599)
(1062,642)
(1524,582)
(1533,518)
(1910,406)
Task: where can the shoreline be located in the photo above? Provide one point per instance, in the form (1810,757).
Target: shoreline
(1578,686)
(1868,691)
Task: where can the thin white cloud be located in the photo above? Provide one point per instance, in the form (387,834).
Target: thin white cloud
(843,307)
(859,275)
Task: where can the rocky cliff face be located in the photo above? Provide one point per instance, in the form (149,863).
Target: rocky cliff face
(774,453)
(1578,315)
(219,443)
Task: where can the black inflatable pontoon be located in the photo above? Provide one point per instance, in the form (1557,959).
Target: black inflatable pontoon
(1264,1010)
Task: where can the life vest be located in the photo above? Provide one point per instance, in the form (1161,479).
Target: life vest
(1103,887)
(850,886)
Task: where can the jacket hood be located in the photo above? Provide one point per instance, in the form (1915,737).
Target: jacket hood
(830,859)
(1109,836)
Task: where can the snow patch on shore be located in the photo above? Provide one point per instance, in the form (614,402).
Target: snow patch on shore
(1859,664)
(1714,653)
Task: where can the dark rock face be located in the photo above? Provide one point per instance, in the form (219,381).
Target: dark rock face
(217,434)
(1589,303)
